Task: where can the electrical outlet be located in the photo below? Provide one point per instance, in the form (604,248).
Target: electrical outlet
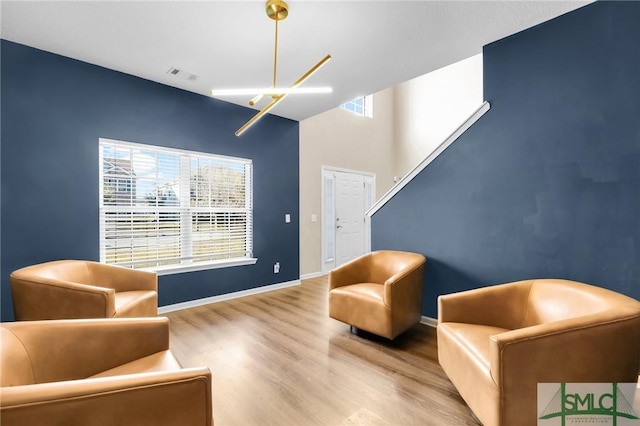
(276,268)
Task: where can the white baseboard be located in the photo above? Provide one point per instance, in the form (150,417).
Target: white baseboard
(228,296)
(431,322)
(312,275)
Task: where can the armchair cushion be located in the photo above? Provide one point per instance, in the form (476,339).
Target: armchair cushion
(497,343)
(96,372)
(82,289)
(380,292)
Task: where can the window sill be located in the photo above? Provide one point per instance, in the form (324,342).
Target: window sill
(201,266)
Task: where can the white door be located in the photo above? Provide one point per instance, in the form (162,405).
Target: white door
(347,196)
(349,216)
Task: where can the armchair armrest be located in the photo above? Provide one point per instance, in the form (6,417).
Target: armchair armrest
(498,306)
(591,348)
(75,349)
(171,398)
(405,287)
(352,272)
(50,298)
(122,279)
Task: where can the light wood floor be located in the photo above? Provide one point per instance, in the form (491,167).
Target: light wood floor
(278,359)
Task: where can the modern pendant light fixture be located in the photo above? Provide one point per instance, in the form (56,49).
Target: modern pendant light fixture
(277,10)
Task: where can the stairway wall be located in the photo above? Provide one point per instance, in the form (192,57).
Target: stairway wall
(547,183)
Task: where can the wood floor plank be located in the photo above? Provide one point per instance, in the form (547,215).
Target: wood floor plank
(278,359)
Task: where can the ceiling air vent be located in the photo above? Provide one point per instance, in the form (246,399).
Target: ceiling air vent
(182,74)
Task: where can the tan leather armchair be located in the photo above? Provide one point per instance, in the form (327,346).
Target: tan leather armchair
(379,292)
(497,343)
(82,289)
(98,372)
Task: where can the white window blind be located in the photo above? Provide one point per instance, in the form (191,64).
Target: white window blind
(163,207)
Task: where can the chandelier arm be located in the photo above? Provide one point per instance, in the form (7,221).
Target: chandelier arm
(311,71)
(278,98)
(263,111)
(256,99)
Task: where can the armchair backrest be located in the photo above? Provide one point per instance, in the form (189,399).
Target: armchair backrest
(76,271)
(98,372)
(383,264)
(82,289)
(553,300)
(60,350)
(13,353)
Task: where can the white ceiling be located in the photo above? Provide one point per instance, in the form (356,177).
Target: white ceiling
(374,44)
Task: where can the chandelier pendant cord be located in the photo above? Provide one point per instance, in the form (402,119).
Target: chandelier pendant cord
(275,57)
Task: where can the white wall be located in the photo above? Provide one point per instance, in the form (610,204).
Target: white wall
(341,139)
(430,107)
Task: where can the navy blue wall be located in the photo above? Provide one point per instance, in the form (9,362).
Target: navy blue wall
(54,109)
(547,183)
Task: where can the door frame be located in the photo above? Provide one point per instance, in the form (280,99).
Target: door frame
(328,262)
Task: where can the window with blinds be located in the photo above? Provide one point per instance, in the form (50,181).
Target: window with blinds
(168,209)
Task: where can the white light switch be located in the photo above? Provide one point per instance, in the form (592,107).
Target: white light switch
(314,218)
(287,218)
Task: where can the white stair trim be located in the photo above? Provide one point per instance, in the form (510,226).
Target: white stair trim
(444,145)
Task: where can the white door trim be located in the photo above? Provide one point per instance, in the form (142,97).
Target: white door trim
(370,178)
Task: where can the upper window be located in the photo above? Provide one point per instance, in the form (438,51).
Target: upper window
(361,106)
(173,210)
